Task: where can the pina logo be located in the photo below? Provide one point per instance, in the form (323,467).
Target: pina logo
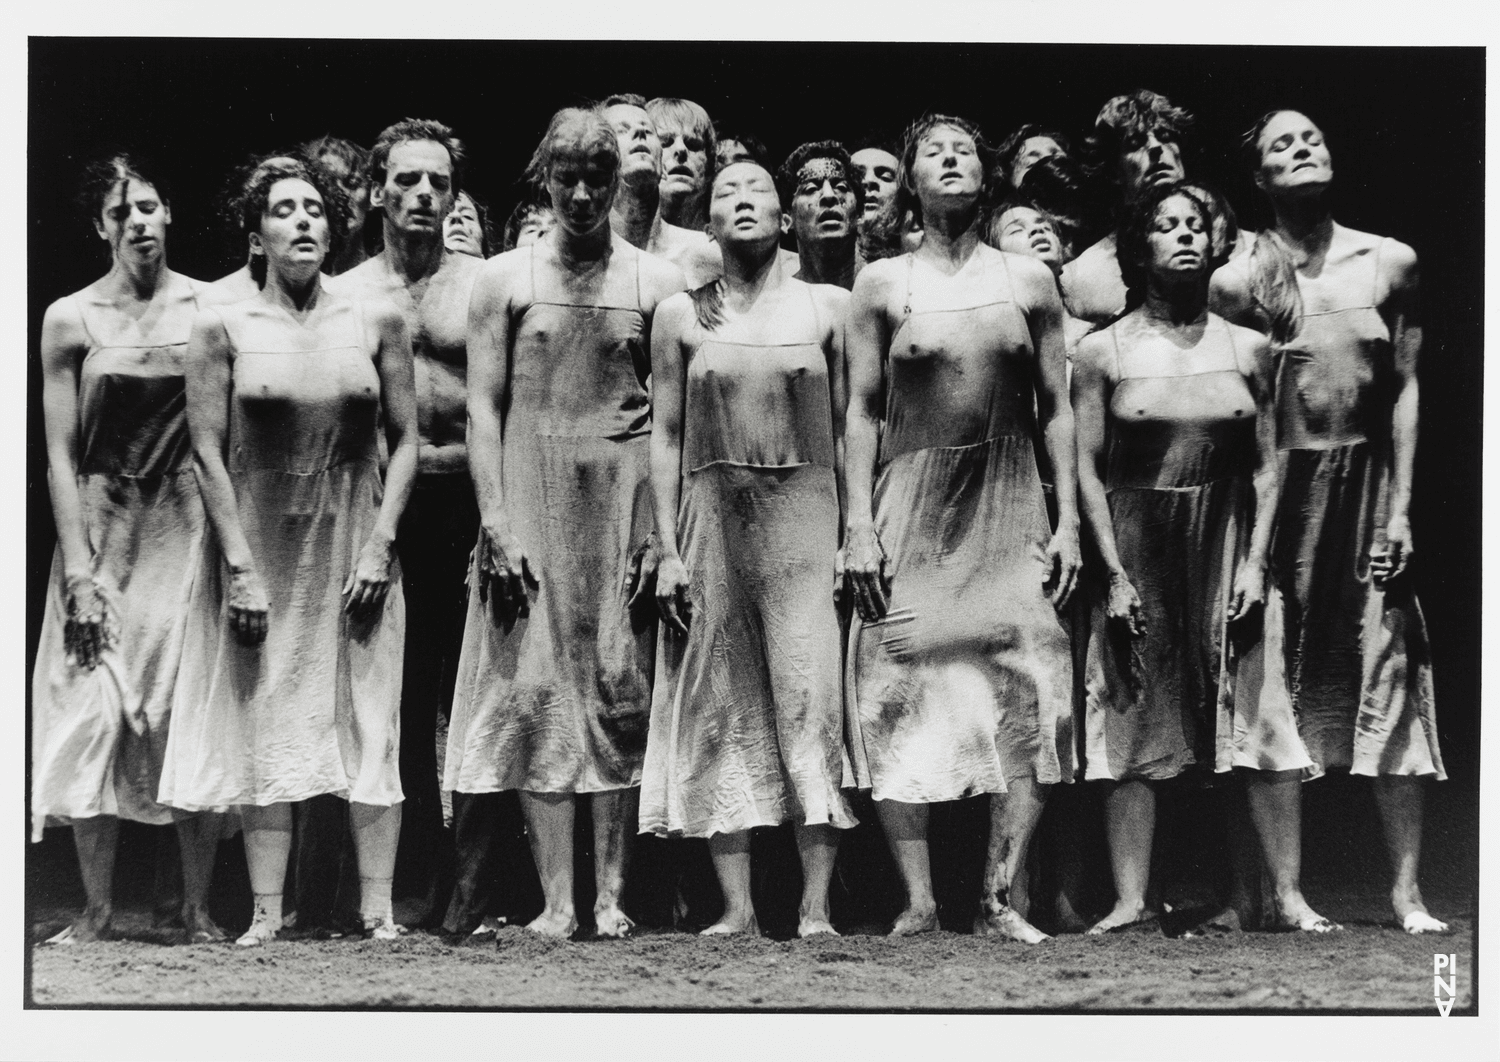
(1442,987)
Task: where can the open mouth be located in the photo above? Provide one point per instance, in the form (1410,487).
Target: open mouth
(680,171)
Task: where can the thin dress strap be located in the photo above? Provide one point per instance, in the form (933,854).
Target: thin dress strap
(93,341)
(817,319)
(911,264)
(640,303)
(1114,336)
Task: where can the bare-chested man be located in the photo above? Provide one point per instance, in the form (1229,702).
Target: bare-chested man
(635,216)
(824,202)
(416,170)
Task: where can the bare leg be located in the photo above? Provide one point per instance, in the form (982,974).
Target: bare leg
(94,839)
(1400,801)
(614,825)
(377,829)
(549,824)
(1130,819)
(268,842)
(198,841)
(1246,867)
(816,847)
(731,856)
(905,828)
(1013,818)
(1275,799)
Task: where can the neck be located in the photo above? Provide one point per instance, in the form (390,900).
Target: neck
(581,248)
(414,255)
(296,293)
(141,278)
(352,255)
(952,235)
(633,214)
(748,271)
(1176,304)
(680,211)
(827,261)
(1303,222)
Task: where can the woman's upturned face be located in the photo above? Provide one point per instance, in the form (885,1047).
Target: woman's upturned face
(684,160)
(1293,157)
(294,227)
(744,206)
(1033,150)
(133,220)
(1024,230)
(461,231)
(1177,241)
(582,186)
(946,167)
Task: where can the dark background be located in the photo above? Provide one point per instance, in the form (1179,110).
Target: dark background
(1405,127)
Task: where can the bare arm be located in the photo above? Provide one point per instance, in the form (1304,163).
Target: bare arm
(1401,311)
(669,376)
(1249,584)
(209,383)
(1044,317)
(1092,386)
(504,569)
(1229,296)
(867,336)
(371,579)
(836,306)
(64,345)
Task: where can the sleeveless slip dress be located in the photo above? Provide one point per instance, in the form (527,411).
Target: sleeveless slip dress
(968,677)
(561,703)
(315,708)
(1192,690)
(99,737)
(747,723)
(1358,658)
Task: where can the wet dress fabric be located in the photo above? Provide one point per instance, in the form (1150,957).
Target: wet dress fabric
(967,679)
(314,708)
(1193,690)
(561,703)
(99,737)
(747,725)
(1358,658)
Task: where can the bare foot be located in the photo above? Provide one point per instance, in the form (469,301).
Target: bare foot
(610,921)
(87,928)
(488,926)
(561,925)
(1295,913)
(1411,912)
(812,927)
(260,931)
(200,928)
(1122,917)
(1002,920)
(733,924)
(382,927)
(915,920)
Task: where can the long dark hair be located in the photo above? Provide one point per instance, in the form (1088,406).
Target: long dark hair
(1131,247)
(247,205)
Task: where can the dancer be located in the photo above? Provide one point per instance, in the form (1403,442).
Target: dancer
(635,216)
(1180,500)
(348,164)
(747,719)
(129,530)
(288,687)
(466,230)
(1024,148)
(416,174)
(1136,144)
(959,669)
(688,154)
(824,202)
(557,705)
(1356,643)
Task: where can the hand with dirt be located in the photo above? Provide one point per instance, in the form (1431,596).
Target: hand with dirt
(1064,558)
(1125,605)
(1249,591)
(505,576)
(673,598)
(370,581)
(86,631)
(868,572)
(640,580)
(1391,561)
(248,606)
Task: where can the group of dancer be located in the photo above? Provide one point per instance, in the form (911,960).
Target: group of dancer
(946,501)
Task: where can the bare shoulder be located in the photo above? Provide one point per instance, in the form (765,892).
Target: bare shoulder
(831,300)
(676,309)
(1030,276)
(1095,351)
(660,278)
(877,278)
(1245,339)
(62,324)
